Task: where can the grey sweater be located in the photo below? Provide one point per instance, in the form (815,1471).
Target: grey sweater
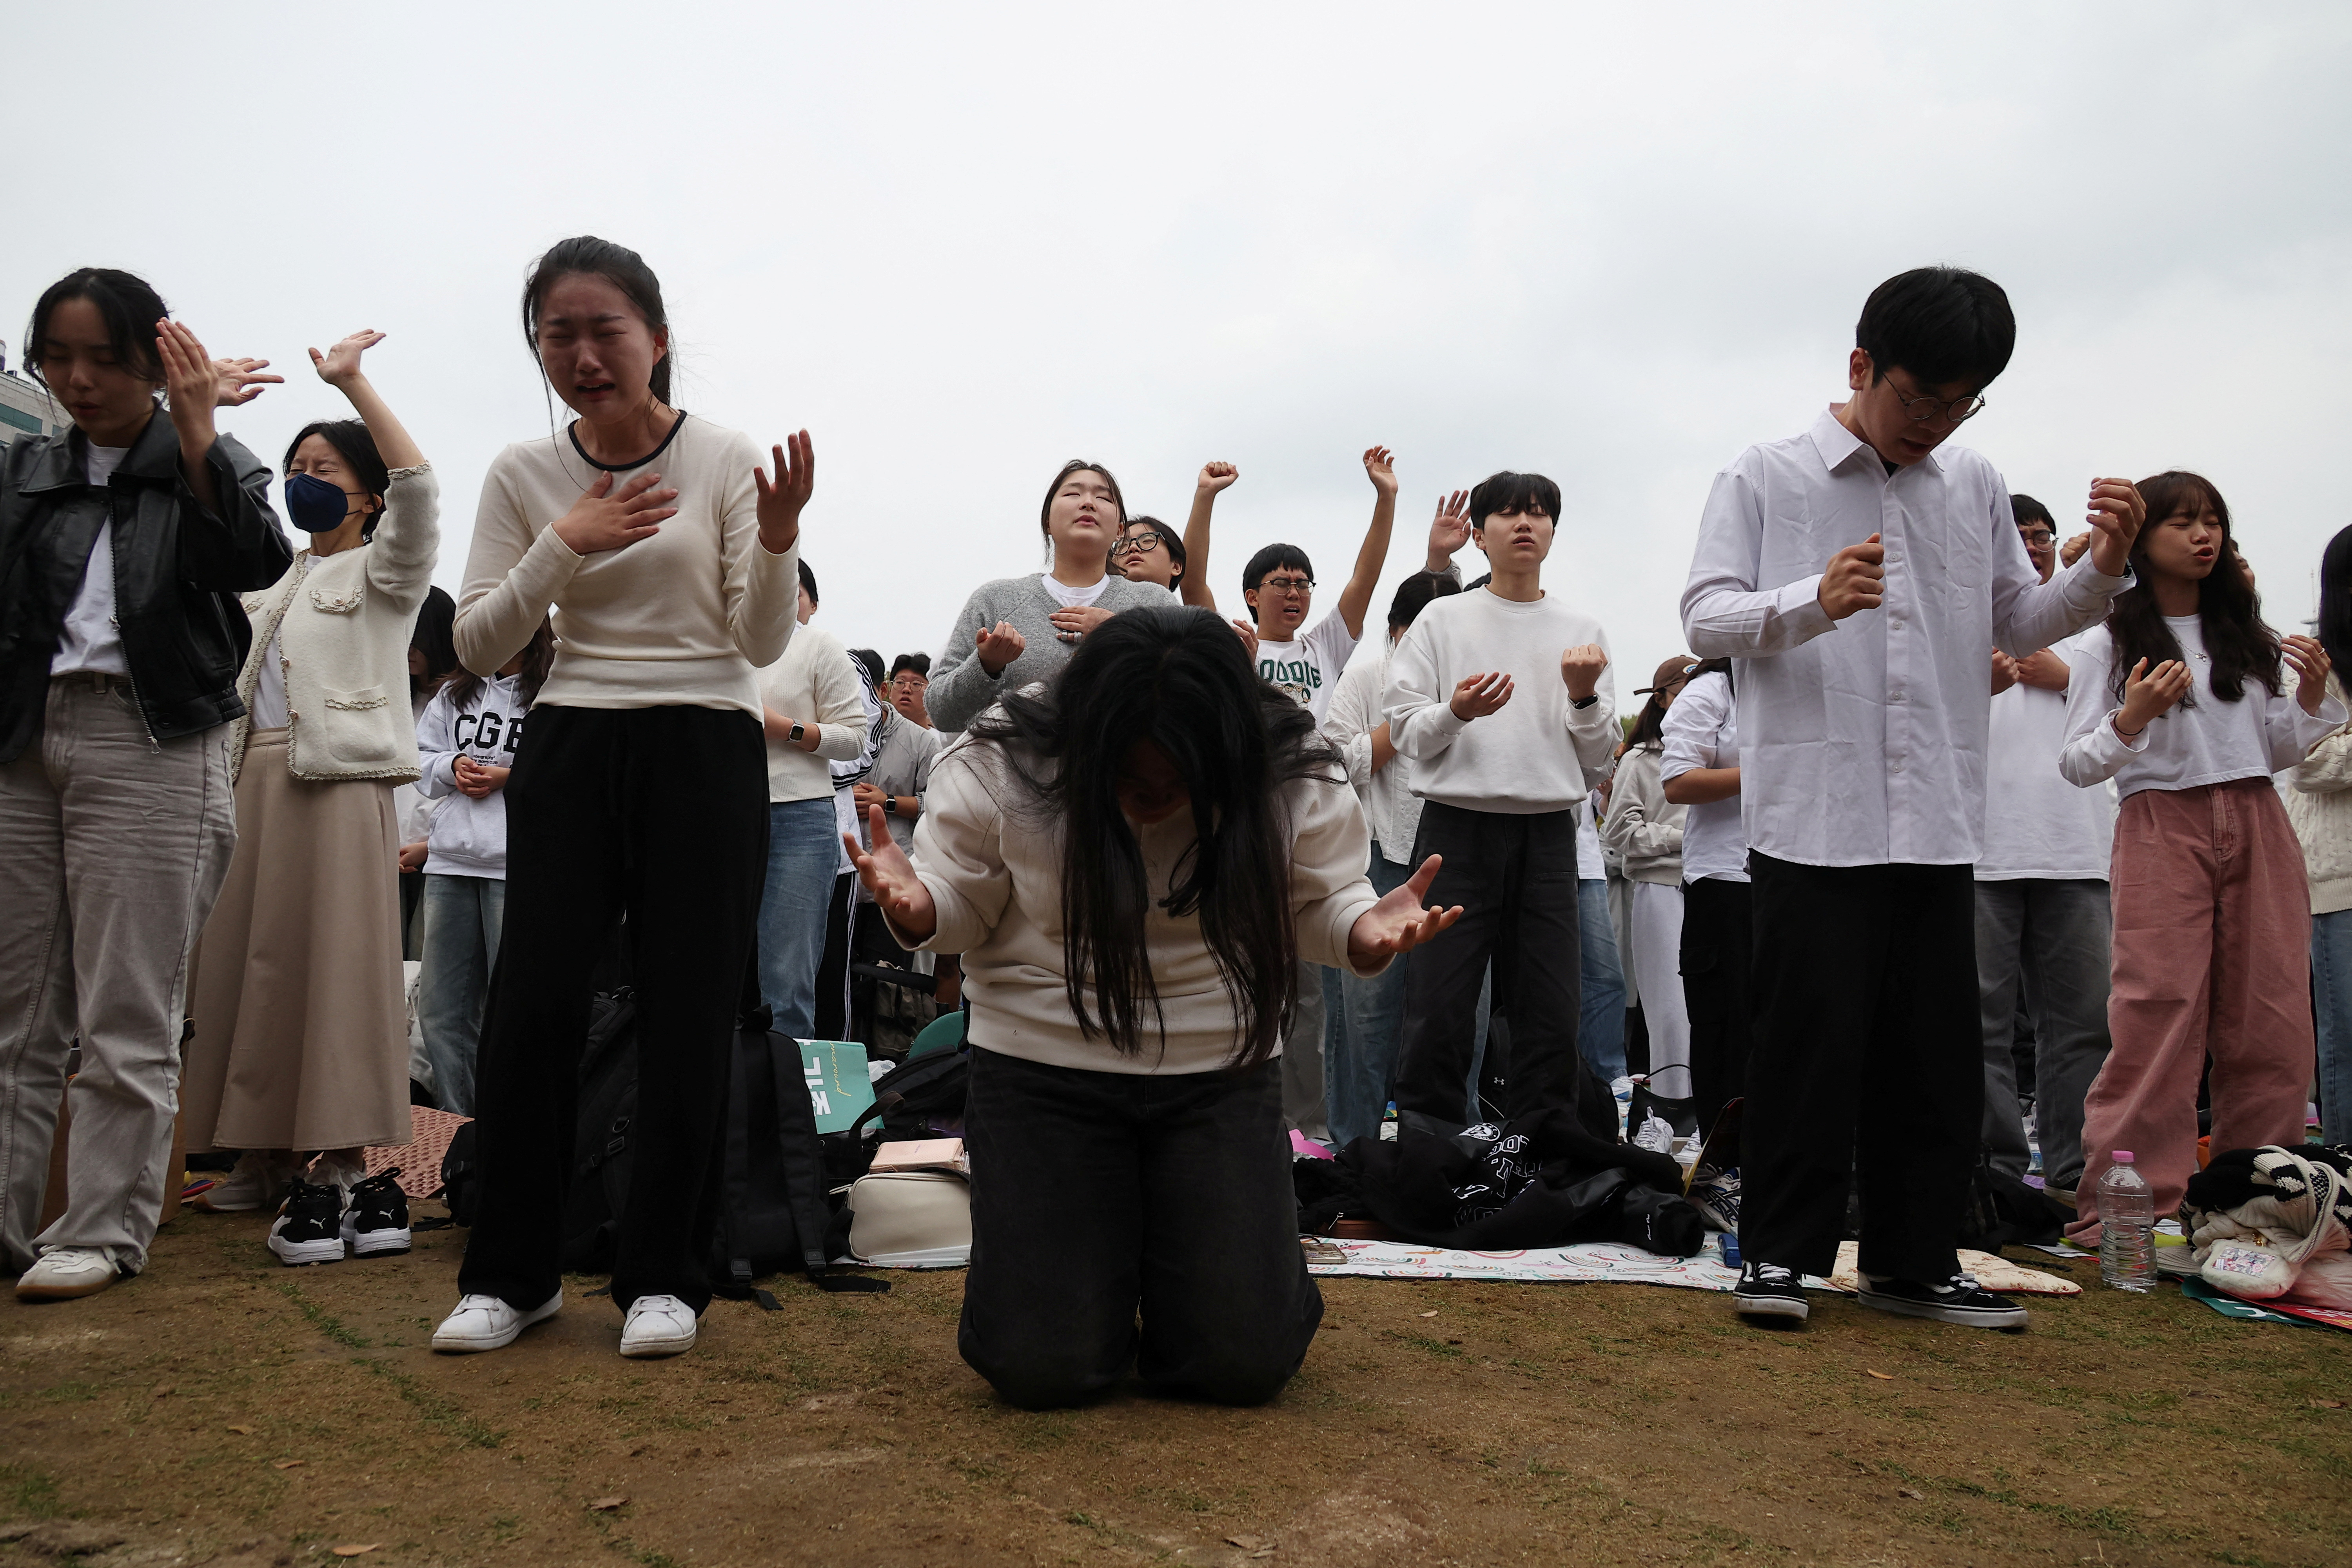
(961,691)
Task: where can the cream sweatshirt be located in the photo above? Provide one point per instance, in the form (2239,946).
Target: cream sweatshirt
(680,618)
(995,873)
(815,683)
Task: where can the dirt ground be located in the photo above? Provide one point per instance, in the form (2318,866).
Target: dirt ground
(224,1409)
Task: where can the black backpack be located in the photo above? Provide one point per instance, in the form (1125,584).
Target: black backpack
(923,1097)
(772,1214)
(599,1188)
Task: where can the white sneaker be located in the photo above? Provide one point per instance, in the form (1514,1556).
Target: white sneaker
(487,1324)
(657,1326)
(256,1183)
(65,1273)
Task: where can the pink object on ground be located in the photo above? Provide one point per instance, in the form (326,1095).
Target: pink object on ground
(2212,951)
(1302,1144)
(420,1160)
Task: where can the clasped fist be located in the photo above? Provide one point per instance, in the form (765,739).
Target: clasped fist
(1855,580)
(603,519)
(999,645)
(1215,477)
(2149,694)
(1580,668)
(2115,515)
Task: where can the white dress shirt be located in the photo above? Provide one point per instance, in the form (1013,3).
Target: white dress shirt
(2209,743)
(1702,731)
(2037,826)
(1864,741)
(1390,804)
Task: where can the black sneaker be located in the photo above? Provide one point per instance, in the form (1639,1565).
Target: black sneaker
(309,1225)
(376,1224)
(1961,1299)
(1768,1291)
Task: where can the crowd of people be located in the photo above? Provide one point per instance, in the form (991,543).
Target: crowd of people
(1944,847)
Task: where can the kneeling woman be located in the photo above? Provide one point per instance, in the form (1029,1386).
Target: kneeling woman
(1134,860)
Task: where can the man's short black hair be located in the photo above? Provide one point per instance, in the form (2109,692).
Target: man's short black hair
(2025,509)
(1508,491)
(808,582)
(1946,325)
(1273,558)
(872,662)
(1413,594)
(920,663)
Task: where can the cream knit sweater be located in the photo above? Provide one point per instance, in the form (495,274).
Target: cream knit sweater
(682,617)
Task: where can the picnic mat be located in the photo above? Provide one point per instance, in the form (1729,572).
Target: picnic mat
(2274,1311)
(1588,1262)
(420,1160)
(1993,1273)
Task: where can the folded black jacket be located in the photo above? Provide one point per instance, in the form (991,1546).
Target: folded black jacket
(178,569)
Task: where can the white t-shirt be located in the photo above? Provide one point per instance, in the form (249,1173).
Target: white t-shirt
(2213,743)
(1702,731)
(2037,826)
(1308,667)
(1071,598)
(89,640)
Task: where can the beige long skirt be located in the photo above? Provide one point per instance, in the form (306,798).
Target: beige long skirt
(302,1021)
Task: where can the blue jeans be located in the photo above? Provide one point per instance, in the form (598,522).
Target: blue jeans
(1600,1032)
(802,854)
(2331,983)
(1364,1051)
(464,917)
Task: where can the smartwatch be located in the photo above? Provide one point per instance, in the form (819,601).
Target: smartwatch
(799,734)
(1583,702)
(890,805)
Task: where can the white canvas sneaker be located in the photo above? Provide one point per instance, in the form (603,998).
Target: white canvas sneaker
(487,1324)
(65,1273)
(657,1326)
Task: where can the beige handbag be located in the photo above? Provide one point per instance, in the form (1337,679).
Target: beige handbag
(910,1219)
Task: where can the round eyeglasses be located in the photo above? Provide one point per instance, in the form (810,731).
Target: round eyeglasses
(1137,545)
(1959,410)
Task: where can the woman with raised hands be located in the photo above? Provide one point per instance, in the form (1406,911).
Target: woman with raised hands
(1016,630)
(1133,861)
(124,542)
(301,1028)
(670,562)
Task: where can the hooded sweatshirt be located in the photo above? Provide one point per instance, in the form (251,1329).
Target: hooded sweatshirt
(469,837)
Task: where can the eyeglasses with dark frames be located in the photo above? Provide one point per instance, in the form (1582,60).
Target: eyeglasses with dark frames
(1287,584)
(1959,410)
(1137,545)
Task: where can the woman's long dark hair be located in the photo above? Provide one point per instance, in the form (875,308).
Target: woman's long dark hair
(1179,680)
(537,658)
(434,637)
(2335,603)
(2237,639)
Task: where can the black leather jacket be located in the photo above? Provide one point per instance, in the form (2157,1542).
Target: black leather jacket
(178,569)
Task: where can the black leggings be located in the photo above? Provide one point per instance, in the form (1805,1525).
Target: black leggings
(662,812)
(1095,1194)
(1718,941)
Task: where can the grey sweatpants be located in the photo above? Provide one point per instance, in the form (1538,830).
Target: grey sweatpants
(2053,937)
(113,847)
(1304,1105)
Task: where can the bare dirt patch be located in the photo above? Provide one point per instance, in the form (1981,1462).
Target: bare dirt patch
(1583,1423)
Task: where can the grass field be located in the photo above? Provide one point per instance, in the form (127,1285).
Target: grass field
(224,1409)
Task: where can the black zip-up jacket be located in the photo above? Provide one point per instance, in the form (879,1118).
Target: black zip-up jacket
(178,569)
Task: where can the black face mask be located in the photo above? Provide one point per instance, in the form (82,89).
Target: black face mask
(316,505)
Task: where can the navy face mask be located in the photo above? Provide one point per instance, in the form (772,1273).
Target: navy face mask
(316,505)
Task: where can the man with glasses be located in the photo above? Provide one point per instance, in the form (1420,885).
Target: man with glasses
(910,677)
(2043,922)
(1860,578)
(1146,551)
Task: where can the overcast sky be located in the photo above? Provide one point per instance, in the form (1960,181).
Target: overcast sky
(963,244)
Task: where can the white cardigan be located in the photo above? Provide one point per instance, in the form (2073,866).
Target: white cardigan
(342,624)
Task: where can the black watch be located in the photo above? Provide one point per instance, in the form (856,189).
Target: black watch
(1583,702)
(890,805)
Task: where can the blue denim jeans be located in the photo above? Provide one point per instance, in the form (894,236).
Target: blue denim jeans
(2331,984)
(1364,1049)
(464,917)
(802,854)
(1600,1032)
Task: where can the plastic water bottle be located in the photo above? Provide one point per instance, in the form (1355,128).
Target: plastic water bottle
(2127,1226)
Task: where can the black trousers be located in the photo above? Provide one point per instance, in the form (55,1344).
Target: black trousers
(1095,1194)
(1718,940)
(1516,879)
(831,1018)
(662,812)
(1865,1064)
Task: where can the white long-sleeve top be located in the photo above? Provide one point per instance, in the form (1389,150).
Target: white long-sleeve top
(993,868)
(1390,804)
(816,683)
(1538,752)
(2037,826)
(1863,741)
(1702,731)
(682,617)
(2211,743)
